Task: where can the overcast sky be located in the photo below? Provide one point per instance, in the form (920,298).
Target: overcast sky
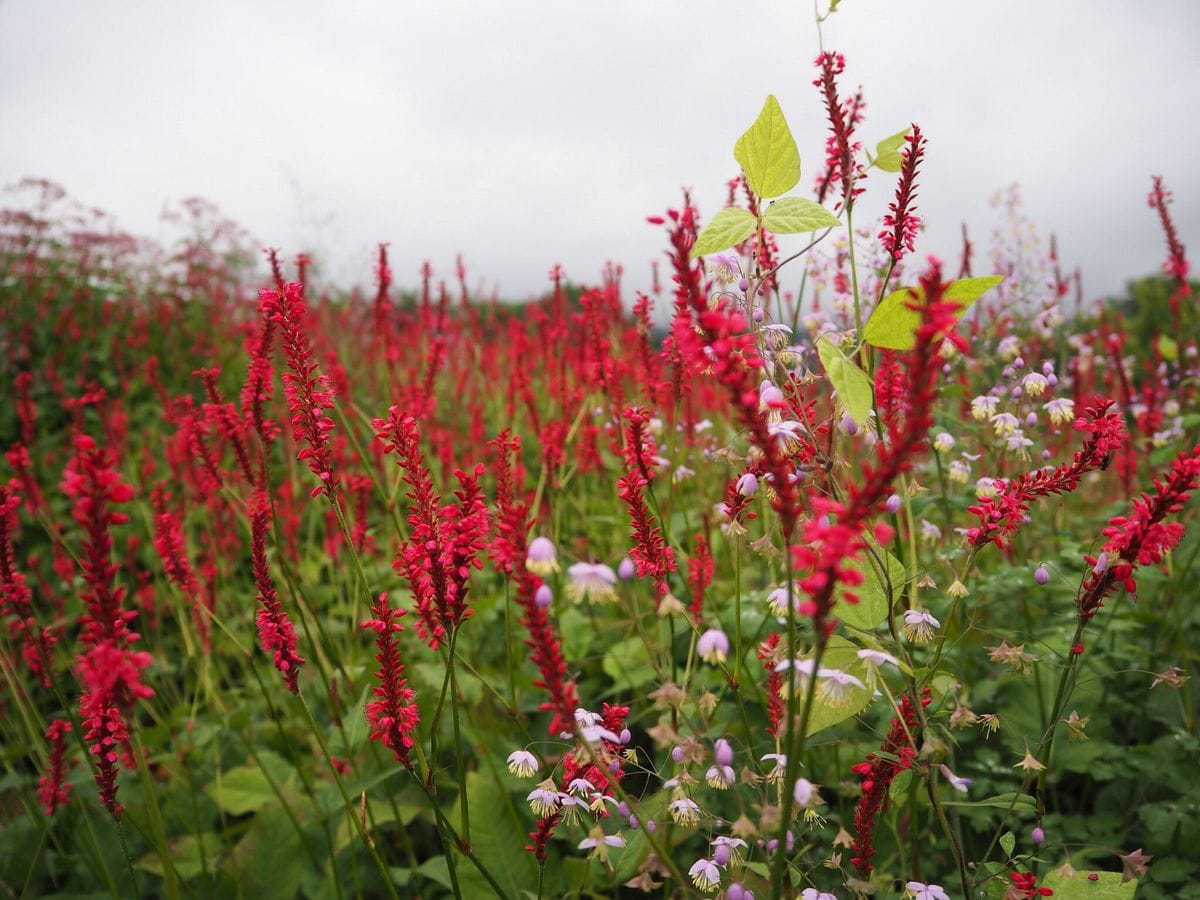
(524,134)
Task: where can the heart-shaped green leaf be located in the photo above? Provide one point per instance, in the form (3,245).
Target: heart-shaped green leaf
(767,153)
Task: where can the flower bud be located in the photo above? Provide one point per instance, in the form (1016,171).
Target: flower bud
(543,596)
(1037,836)
(1041,574)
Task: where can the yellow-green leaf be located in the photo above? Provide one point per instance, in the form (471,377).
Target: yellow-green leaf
(793,215)
(894,326)
(872,605)
(1168,348)
(767,153)
(851,383)
(887,151)
(727,228)
(843,655)
(1092,885)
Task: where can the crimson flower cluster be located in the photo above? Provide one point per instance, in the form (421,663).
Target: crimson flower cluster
(16,596)
(53,788)
(1000,516)
(840,146)
(699,576)
(901,224)
(896,754)
(393,715)
(1140,538)
(109,670)
(275,632)
(309,394)
(722,341)
(508,550)
(443,547)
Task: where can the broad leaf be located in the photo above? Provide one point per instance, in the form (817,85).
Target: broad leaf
(1092,885)
(843,655)
(851,382)
(767,153)
(793,215)
(893,325)
(887,151)
(1168,348)
(726,229)
(872,606)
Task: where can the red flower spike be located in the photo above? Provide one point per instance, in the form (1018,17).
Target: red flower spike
(393,714)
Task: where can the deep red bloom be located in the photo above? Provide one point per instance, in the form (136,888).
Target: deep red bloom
(16,596)
(699,576)
(776,705)
(877,774)
(309,394)
(393,715)
(1000,516)
(275,632)
(105,732)
(840,146)
(901,224)
(1140,538)
(651,554)
(444,544)
(508,550)
(53,788)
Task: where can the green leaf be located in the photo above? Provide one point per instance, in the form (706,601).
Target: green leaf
(1008,842)
(727,228)
(246,789)
(625,663)
(887,151)
(498,836)
(767,153)
(851,382)
(189,855)
(872,606)
(1168,348)
(793,215)
(893,325)
(577,632)
(1106,886)
(1024,803)
(839,654)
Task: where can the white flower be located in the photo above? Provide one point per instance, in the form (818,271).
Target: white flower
(837,687)
(922,891)
(780,768)
(1034,384)
(919,625)
(720,777)
(983,407)
(612,840)
(591,581)
(778,600)
(943,443)
(876,658)
(1061,410)
(705,875)
(684,811)
(522,763)
(543,799)
(814,894)
(713,646)
(1005,424)
(723,267)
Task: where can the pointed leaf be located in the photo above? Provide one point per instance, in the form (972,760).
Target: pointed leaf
(727,228)
(767,153)
(793,215)
(894,326)
(851,382)
(887,151)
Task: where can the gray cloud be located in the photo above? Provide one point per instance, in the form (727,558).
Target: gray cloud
(526,134)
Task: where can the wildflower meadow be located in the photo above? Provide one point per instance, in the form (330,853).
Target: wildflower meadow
(823,568)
